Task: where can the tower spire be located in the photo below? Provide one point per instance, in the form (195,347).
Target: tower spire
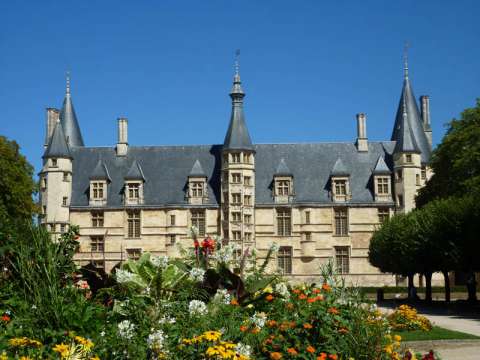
(68,118)
(405,59)
(67,76)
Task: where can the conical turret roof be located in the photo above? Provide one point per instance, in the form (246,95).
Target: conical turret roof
(69,121)
(58,147)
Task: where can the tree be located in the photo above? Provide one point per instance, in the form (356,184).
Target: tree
(16,182)
(456,161)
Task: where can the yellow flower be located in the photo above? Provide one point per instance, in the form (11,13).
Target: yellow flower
(212,335)
(388,349)
(268,290)
(62,349)
(25,358)
(3,356)
(95,357)
(87,344)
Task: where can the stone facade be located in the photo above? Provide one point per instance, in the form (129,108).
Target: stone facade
(242,192)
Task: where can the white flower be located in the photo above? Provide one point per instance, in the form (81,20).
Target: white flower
(258,319)
(196,274)
(243,349)
(225,253)
(159,261)
(167,320)
(156,340)
(197,307)
(274,247)
(193,231)
(126,329)
(102,334)
(222,297)
(124,276)
(282,289)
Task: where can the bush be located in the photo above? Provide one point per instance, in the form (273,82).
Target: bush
(406,318)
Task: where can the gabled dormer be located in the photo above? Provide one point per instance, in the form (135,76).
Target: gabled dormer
(382,181)
(134,183)
(283,183)
(197,184)
(340,182)
(99,180)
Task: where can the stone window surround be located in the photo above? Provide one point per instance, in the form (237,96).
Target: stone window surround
(337,183)
(342,259)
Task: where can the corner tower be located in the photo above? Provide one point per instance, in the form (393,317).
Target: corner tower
(238,174)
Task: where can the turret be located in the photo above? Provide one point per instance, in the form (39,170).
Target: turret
(238,173)
(69,121)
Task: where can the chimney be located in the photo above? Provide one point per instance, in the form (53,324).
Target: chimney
(52,116)
(362,142)
(427,128)
(122,144)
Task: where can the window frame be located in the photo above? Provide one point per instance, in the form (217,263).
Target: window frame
(340,215)
(97,243)
(134,224)
(284,221)
(199,220)
(342,253)
(98,219)
(285,259)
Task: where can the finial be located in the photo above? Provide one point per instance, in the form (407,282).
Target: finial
(405,59)
(237,62)
(68,81)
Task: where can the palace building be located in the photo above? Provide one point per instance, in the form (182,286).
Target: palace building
(317,201)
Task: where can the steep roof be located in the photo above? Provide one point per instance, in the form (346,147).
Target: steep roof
(100,172)
(135,172)
(167,169)
(69,121)
(339,168)
(408,129)
(282,168)
(197,169)
(237,137)
(381,167)
(57,147)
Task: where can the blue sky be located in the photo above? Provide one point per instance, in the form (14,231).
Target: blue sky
(307,67)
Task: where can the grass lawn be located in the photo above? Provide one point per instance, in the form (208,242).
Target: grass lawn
(437,333)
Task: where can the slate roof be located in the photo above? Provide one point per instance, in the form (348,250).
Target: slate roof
(410,118)
(339,169)
(166,170)
(197,169)
(381,167)
(135,172)
(69,121)
(282,169)
(57,147)
(100,172)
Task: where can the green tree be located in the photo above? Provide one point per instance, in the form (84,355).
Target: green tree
(16,182)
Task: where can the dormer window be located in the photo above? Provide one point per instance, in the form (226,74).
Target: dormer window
(283,187)
(98,192)
(133,192)
(54,162)
(197,185)
(197,189)
(236,158)
(340,189)
(382,188)
(283,183)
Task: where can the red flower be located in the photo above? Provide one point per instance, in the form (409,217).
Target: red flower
(196,244)
(269,297)
(334,311)
(333,356)
(5,318)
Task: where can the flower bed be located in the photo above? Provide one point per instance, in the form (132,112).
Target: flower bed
(406,318)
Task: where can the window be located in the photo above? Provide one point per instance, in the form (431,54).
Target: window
(98,264)
(236,178)
(97,219)
(247,180)
(307,217)
(44,183)
(197,189)
(247,158)
(399,174)
(424,174)
(340,187)
(283,187)
(408,158)
(62,228)
(284,224)
(236,216)
(97,192)
(172,220)
(133,224)
(198,220)
(417,179)
(308,236)
(133,191)
(342,259)
(44,210)
(134,254)
(236,199)
(236,235)
(54,163)
(65,176)
(236,158)
(341,222)
(382,185)
(247,219)
(383,215)
(248,236)
(400,200)
(248,200)
(97,243)
(64,201)
(172,239)
(284,259)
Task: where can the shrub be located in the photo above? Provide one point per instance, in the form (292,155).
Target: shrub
(406,318)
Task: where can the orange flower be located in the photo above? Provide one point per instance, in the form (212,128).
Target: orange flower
(307,326)
(255,330)
(289,306)
(243,328)
(268,341)
(5,318)
(323,356)
(302,296)
(311,300)
(333,311)
(269,297)
(333,356)
(319,297)
(296,291)
(283,326)
(292,351)
(275,355)
(326,287)
(310,349)
(343,330)
(234,302)
(316,291)
(271,323)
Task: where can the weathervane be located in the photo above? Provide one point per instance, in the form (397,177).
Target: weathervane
(405,58)
(237,61)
